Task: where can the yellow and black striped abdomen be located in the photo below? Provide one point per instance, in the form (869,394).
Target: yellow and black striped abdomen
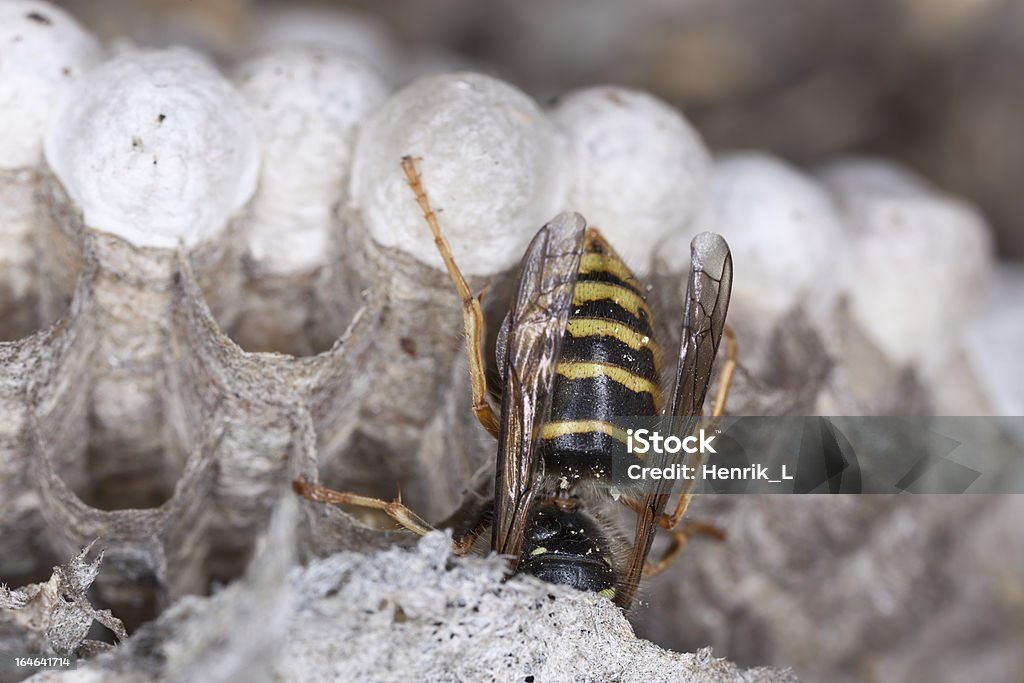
(609,365)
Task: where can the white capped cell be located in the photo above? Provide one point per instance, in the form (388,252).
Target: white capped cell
(306,104)
(993,342)
(155,147)
(492,164)
(785,234)
(919,260)
(361,34)
(848,178)
(43,51)
(638,168)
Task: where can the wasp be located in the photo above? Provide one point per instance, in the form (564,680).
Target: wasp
(576,348)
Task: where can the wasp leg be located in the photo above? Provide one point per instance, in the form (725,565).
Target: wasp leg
(464,543)
(679,538)
(669,521)
(728,369)
(472,315)
(394,509)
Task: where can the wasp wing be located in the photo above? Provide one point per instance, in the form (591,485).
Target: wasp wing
(532,340)
(707,302)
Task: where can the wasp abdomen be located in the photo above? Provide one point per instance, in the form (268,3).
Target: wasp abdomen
(609,365)
(562,544)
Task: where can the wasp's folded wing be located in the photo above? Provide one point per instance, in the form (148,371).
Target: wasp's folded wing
(707,302)
(533,338)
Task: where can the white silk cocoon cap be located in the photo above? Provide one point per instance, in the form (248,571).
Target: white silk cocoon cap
(493,166)
(155,147)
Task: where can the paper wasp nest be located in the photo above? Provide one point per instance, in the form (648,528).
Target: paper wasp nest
(215,281)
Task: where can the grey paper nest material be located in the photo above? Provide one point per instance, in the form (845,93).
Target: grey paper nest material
(392,615)
(55,617)
(856,588)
